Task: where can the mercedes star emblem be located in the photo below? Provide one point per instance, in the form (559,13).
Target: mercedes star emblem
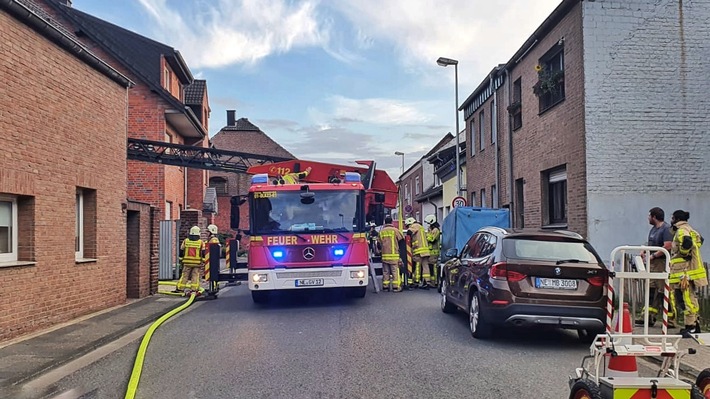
(309,253)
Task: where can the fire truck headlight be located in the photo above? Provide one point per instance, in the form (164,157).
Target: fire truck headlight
(357,274)
(260,278)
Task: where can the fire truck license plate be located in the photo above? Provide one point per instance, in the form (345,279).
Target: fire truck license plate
(309,282)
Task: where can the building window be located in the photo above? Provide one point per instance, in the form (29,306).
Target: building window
(85,233)
(168,210)
(520,202)
(416,185)
(494,133)
(555,195)
(550,87)
(406,192)
(473,136)
(419,218)
(516,108)
(482,130)
(219,184)
(79,232)
(166,78)
(494,196)
(473,199)
(8,229)
(483,198)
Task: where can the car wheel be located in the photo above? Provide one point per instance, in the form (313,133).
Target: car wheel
(585,389)
(479,326)
(703,382)
(446,306)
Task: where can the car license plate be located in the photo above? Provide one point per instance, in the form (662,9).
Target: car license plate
(555,283)
(309,282)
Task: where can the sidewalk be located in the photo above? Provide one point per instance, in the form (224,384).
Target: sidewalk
(691,365)
(26,358)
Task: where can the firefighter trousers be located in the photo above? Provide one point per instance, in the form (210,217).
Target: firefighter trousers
(686,302)
(390,276)
(190,274)
(422,269)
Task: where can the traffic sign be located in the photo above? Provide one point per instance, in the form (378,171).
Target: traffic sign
(458,201)
(408,208)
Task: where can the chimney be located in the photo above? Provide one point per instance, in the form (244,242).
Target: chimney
(230,117)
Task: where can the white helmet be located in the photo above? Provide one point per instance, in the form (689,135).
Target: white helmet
(212,229)
(429,219)
(409,221)
(194,231)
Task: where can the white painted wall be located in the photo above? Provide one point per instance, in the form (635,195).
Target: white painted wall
(647,117)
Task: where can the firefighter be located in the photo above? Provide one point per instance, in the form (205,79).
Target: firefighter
(687,270)
(420,252)
(213,239)
(192,258)
(294,177)
(433,237)
(389,239)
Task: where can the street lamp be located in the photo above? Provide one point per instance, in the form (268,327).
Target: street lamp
(401,203)
(446,62)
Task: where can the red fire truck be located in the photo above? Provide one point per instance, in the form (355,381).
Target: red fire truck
(312,233)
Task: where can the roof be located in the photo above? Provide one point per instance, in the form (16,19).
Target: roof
(431,192)
(247,137)
(195,92)
(139,54)
(38,19)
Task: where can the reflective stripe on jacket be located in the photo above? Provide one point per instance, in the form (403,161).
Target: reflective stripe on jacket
(192,252)
(419,244)
(434,238)
(687,262)
(389,238)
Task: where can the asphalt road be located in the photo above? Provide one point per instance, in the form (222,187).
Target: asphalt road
(325,346)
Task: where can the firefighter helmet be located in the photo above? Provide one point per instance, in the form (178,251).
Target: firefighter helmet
(212,229)
(194,231)
(429,219)
(409,221)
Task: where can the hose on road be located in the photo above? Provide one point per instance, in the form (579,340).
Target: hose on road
(138,364)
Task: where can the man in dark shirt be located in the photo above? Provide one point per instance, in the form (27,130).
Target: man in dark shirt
(659,236)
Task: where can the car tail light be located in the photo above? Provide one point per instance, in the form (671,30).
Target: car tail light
(499,271)
(597,281)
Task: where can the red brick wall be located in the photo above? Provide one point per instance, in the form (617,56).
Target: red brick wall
(61,140)
(138,250)
(547,140)
(411,181)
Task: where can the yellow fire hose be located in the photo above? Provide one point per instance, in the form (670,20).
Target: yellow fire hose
(138,364)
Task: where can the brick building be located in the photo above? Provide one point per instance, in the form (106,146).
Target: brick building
(166,105)
(599,116)
(63,175)
(242,136)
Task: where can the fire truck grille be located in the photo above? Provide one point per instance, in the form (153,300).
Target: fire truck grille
(324,273)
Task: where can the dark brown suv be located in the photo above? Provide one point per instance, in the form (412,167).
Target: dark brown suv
(526,277)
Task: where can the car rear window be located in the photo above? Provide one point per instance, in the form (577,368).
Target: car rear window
(548,249)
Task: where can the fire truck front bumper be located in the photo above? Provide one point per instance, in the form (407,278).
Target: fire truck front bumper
(294,279)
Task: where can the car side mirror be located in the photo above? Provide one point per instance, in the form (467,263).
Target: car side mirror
(451,253)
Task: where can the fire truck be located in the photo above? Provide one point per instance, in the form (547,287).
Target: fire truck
(310,231)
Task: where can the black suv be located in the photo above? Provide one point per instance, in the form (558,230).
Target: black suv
(526,277)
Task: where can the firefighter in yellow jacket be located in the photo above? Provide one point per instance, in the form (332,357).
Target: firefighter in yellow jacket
(295,177)
(687,270)
(420,252)
(192,252)
(213,239)
(389,238)
(433,237)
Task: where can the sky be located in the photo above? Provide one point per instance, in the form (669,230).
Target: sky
(337,80)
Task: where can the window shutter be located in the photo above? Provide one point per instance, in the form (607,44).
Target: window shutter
(558,175)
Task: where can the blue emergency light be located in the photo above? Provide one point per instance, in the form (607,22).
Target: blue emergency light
(338,251)
(261,178)
(352,177)
(277,254)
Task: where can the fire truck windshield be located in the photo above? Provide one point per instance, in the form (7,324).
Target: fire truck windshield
(286,211)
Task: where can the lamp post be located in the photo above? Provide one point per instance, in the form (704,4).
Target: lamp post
(446,62)
(401,202)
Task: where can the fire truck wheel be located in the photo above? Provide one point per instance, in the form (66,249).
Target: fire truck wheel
(357,292)
(260,296)
(585,389)
(703,383)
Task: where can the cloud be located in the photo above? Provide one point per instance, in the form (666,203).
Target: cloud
(226,32)
(478,33)
(380,111)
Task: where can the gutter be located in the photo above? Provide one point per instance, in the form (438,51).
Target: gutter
(513,206)
(34,21)
(494,126)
